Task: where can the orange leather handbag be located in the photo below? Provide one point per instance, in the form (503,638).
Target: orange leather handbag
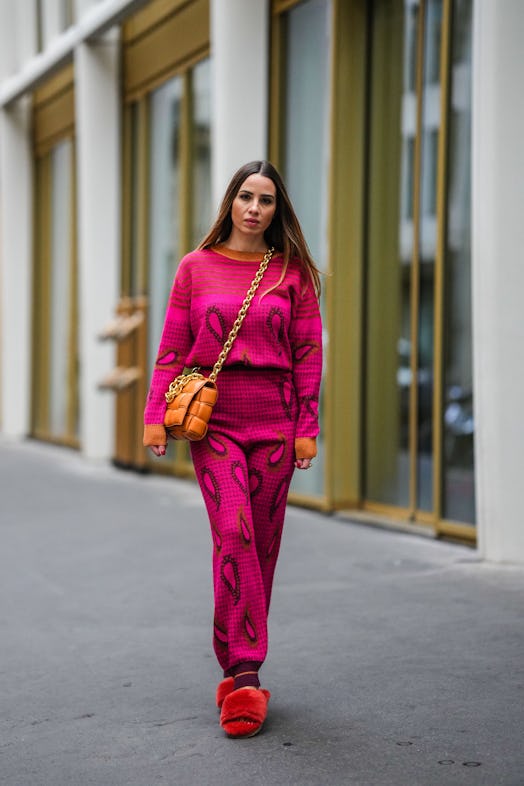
(190,401)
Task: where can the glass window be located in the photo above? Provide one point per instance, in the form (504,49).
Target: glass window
(60,286)
(390,248)
(167,201)
(55,355)
(164,200)
(133,282)
(179,182)
(201,151)
(458,469)
(431,98)
(307,44)
(402,240)
(306,140)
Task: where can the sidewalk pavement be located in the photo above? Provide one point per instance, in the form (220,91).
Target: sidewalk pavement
(394,659)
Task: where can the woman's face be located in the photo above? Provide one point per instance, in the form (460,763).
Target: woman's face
(254,206)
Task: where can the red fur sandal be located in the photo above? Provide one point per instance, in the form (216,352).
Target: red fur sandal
(224,688)
(244,711)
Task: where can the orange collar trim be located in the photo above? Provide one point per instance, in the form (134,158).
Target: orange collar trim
(239,256)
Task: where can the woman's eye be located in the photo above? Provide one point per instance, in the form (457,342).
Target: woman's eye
(267,201)
(244,197)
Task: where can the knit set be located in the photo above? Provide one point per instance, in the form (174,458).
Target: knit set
(268,396)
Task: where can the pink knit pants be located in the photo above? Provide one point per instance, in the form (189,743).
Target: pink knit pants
(244,468)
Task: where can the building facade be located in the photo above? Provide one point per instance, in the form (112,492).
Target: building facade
(395,125)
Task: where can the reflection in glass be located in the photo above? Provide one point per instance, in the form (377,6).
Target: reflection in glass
(427,252)
(392,258)
(458,472)
(166,167)
(390,238)
(164,201)
(390,272)
(132,285)
(306,151)
(201,147)
(60,288)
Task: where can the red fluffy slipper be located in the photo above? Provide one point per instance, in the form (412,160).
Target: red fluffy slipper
(244,711)
(224,688)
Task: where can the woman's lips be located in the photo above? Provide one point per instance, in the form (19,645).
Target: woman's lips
(252,222)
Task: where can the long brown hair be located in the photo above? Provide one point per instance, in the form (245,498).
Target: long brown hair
(284,232)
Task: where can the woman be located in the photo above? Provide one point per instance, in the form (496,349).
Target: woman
(265,422)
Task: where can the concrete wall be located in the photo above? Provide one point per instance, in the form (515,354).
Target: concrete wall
(498,275)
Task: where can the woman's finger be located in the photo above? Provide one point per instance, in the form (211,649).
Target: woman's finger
(303,463)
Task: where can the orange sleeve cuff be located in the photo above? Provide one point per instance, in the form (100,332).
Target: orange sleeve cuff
(305,448)
(154,434)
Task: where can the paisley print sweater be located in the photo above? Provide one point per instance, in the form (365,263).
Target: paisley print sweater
(282,329)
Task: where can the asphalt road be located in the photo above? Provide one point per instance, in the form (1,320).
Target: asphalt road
(394,660)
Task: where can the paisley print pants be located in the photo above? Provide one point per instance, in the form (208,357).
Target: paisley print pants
(244,467)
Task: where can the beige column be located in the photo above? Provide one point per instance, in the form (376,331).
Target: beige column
(498,276)
(16,201)
(98,138)
(240,51)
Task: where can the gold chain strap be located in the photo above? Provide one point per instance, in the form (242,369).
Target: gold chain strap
(180,382)
(241,314)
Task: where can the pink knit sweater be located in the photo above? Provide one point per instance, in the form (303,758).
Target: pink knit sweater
(282,330)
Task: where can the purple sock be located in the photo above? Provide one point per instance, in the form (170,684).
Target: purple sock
(245,674)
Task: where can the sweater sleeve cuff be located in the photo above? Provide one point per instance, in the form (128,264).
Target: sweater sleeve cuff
(154,435)
(305,448)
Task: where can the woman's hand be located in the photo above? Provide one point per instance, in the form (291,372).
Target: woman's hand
(305,452)
(158,450)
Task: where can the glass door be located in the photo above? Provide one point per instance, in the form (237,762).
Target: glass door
(166,194)
(458,428)
(55,353)
(167,209)
(417,272)
(179,182)
(303,37)
(165,114)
